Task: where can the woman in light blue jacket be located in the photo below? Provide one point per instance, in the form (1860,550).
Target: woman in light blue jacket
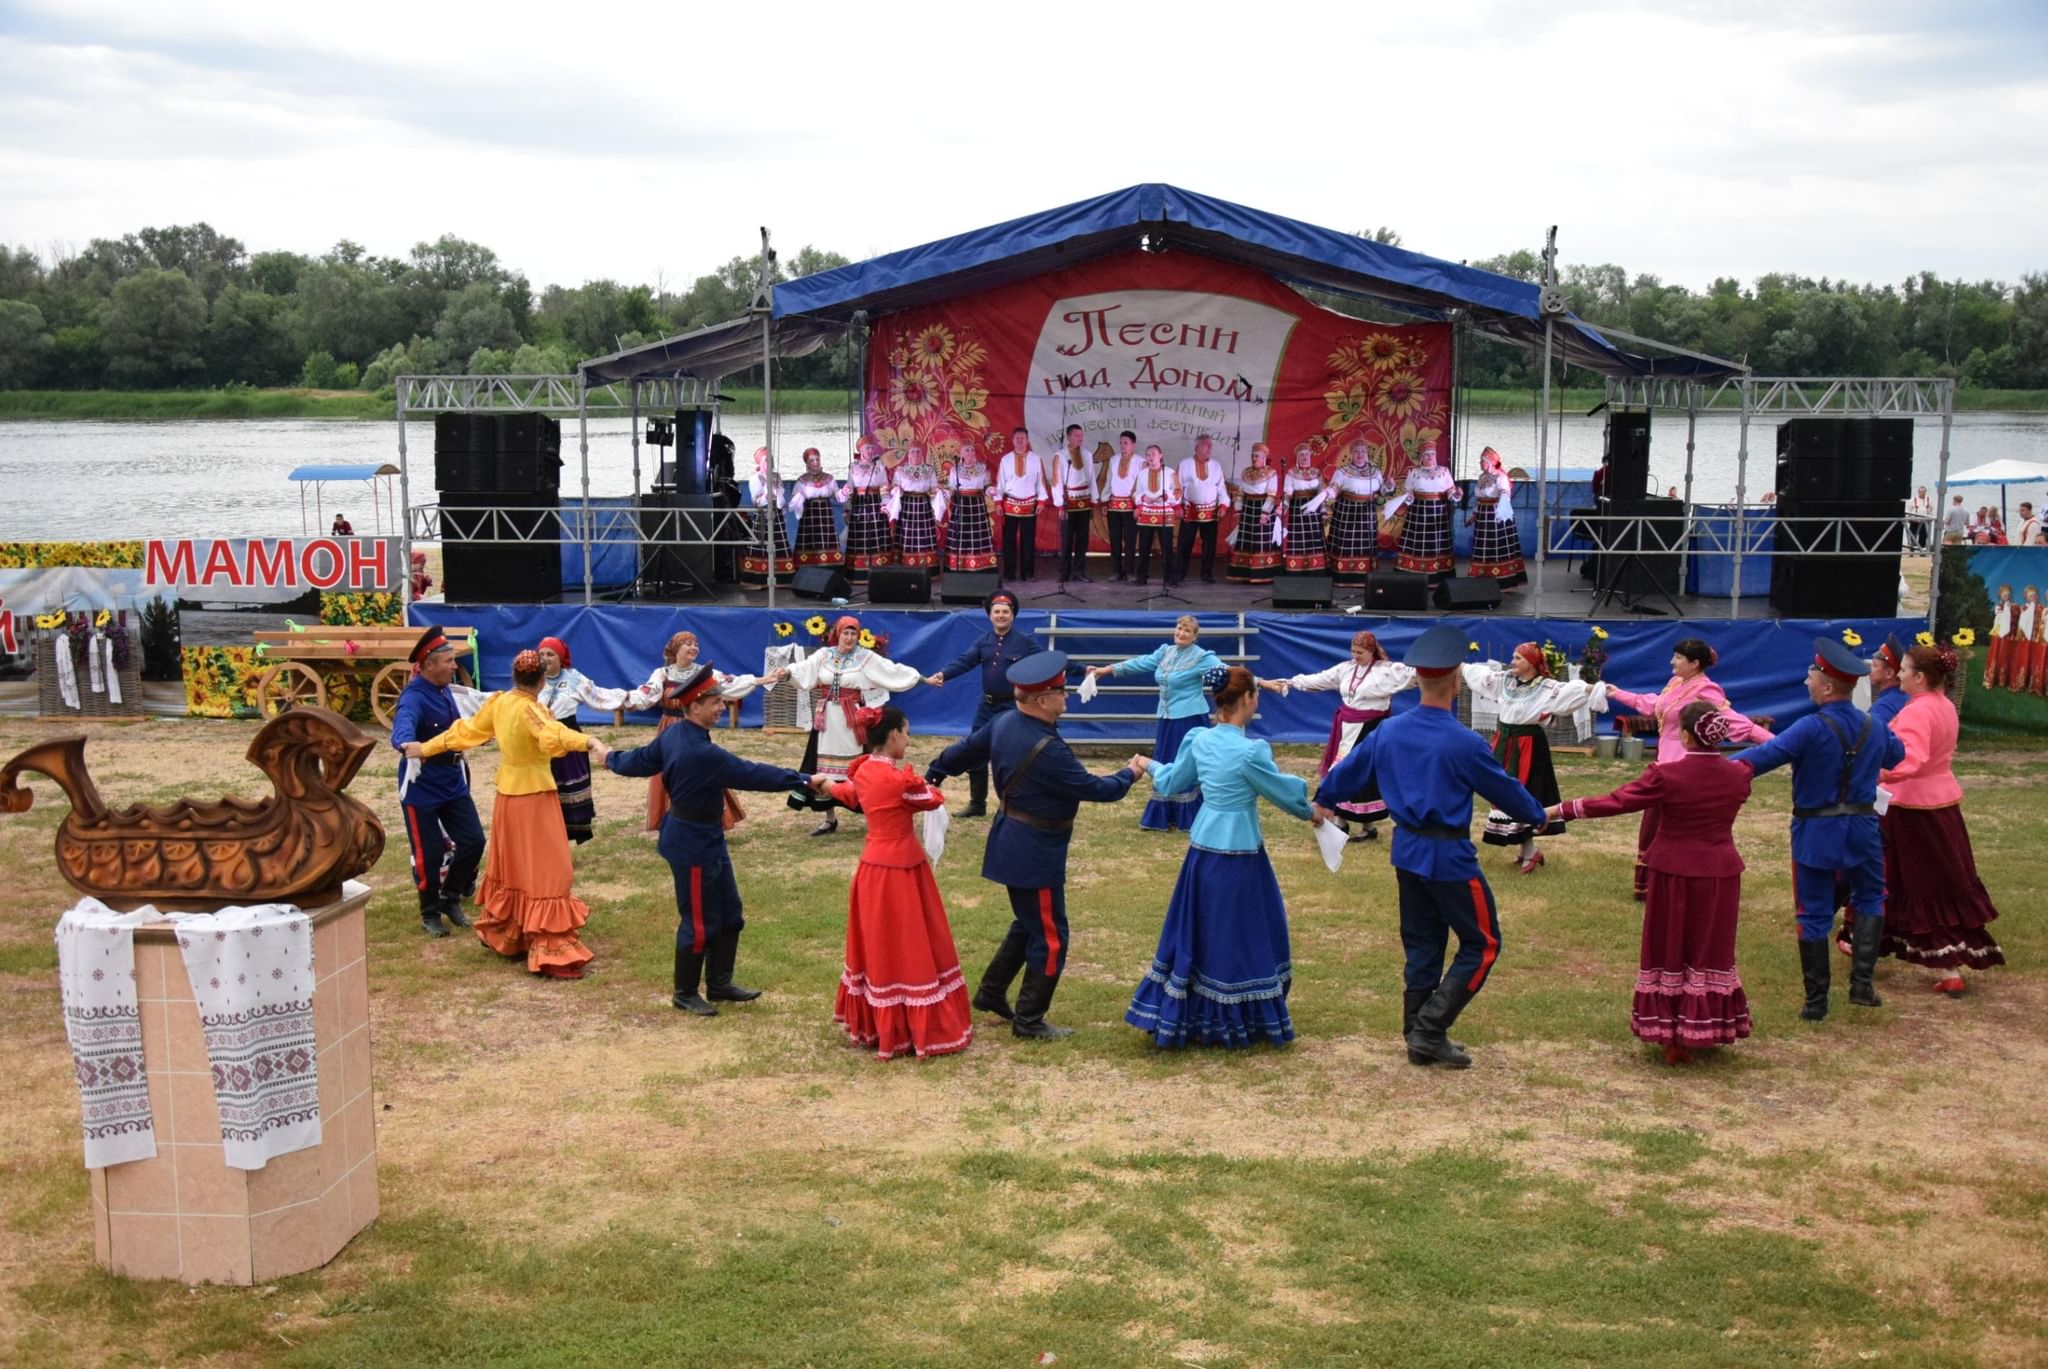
(1182,708)
(1222,971)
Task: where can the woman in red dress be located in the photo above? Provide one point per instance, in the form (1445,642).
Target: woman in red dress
(1687,992)
(901,989)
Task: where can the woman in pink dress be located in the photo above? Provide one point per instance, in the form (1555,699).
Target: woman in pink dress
(901,988)
(1690,660)
(1688,994)
(1936,910)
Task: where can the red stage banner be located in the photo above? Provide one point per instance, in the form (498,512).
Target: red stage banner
(1168,345)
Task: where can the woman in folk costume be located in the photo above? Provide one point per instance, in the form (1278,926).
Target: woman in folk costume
(916,505)
(970,537)
(1690,661)
(1366,685)
(817,535)
(1355,490)
(844,678)
(1998,656)
(867,521)
(1688,994)
(563,690)
(679,666)
(524,905)
(1178,667)
(1937,913)
(1426,534)
(1221,974)
(769,503)
(1155,502)
(1303,549)
(1496,544)
(1526,697)
(900,989)
(1255,541)
(2035,614)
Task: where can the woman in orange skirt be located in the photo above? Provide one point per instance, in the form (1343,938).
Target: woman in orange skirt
(901,988)
(524,906)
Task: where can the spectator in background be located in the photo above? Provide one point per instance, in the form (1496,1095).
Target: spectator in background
(341,527)
(1919,518)
(2030,528)
(421,581)
(1994,528)
(1671,493)
(1956,522)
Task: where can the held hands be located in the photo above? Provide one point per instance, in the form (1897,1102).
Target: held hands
(935,681)
(1098,671)
(414,751)
(1138,766)
(821,782)
(1277,686)
(598,750)
(1554,813)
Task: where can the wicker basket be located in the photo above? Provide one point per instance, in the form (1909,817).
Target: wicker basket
(783,707)
(50,703)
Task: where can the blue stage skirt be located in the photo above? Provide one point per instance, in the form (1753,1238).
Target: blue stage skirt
(1172,812)
(1223,969)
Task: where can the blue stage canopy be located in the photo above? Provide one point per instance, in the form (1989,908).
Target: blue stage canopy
(366,471)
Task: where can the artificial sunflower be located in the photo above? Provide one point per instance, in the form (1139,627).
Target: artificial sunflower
(1471,646)
(103,617)
(867,639)
(784,629)
(815,625)
(1600,633)
(1851,637)
(1924,639)
(1965,636)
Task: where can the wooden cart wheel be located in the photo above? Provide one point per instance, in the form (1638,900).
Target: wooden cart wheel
(292,684)
(385,687)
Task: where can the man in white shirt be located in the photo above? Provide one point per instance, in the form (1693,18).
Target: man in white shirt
(1119,486)
(1073,489)
(1020,484)
(1956,527)
(1202,496)
(1919,518)
(2029,534)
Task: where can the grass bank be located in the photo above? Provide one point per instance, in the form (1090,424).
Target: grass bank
(577,1174)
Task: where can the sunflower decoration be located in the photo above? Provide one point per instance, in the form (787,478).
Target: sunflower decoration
(1965,636)
(815,625)
(867,639)
(785,629)
(49,621)
(1851,637)
(103,617)
(1471,646)
(1924,639)
(1600,634)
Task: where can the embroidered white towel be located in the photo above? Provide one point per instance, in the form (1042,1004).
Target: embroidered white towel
(103,1022)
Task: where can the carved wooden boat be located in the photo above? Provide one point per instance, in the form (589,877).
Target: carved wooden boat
(297,846)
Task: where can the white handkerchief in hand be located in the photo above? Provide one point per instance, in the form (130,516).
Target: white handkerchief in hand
(936,821)
(1331,840)
(1884,800)
(1087,689)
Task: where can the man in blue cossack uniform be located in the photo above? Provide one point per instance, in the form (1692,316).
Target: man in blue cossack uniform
(1836,755)
(994,652)
(697,771)
(1040,785)
(1428,766)
(433,794)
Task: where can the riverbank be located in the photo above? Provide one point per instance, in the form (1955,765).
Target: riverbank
(242,402)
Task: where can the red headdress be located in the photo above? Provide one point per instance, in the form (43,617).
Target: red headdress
(846,621)
(1533,654)
(558,646)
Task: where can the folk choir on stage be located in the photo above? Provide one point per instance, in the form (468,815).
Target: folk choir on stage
(1877,829)
(975,510)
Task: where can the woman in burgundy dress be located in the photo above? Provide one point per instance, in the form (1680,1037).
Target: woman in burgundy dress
(1687,992)
(901,988)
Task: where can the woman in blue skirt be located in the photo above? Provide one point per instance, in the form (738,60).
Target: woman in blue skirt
(1222,971)
(1182,708)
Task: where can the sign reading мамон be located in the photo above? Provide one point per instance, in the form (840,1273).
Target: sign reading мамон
(258,569)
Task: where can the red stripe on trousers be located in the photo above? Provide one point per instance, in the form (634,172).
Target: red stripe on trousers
(419,862)
(1492,951)
(696,910)
(1052,932)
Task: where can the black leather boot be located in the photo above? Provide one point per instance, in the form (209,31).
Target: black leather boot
(1429,1043)
(689,964)
(451,908)
(1813,968)
(719,956)
(431,924)
(1032,1000)
(1868,936)
(977,797)
(1411,1004)
(993,994)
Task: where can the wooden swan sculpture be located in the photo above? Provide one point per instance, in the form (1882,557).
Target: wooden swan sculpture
(297,846)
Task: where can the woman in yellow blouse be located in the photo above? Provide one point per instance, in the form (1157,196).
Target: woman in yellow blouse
(524,906)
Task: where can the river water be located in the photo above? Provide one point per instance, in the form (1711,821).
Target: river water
(68,481)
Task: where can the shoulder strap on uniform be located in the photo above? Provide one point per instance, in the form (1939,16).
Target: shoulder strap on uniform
(1030,759)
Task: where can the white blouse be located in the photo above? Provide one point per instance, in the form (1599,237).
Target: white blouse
(1496,485)
(1028,483)
(1197,490)
(1121,483)
(1371,688)
(649,694)
(970,477)
(1074,482)
(562,692)
(1522,702)
(919,481)
(818,486)
(876,677)
(1157,491)
(1362,483)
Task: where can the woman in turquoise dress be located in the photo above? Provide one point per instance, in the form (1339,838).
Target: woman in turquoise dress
(1183,707)
(1223,968)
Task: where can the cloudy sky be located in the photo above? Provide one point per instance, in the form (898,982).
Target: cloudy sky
(1864,140)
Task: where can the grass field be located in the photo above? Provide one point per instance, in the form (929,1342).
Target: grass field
(575,1174)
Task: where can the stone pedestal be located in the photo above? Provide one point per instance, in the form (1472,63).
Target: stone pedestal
(186,1214)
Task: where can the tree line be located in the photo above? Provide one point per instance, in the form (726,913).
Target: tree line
(186,306)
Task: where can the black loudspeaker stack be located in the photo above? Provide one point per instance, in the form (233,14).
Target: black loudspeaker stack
(968,586)
(1845,458)
(1468,594)
(1397,591)
(1628,455)
(1858,471)
(900,585)
(821,582)
(510,463)
(1303,591)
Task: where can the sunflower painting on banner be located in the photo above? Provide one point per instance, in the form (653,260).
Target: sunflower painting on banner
(1171,346)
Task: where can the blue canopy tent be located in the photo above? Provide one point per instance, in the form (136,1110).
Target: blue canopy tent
(377,475)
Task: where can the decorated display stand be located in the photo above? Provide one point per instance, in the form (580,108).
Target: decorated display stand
(100,674)
(302,659)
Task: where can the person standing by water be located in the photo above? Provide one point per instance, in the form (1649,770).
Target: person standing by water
(1178,667)
(342,527)
(1919,519)
(993,653)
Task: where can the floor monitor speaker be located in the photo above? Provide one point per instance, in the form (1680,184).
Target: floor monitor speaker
(1468,593)
(1303,591)
(821,582)
(968,586)
(900,585)
(1397,591)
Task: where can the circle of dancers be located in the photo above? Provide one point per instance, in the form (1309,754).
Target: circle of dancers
(1877,830)
(954,507)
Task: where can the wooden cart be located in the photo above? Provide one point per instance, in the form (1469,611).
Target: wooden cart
(301,660)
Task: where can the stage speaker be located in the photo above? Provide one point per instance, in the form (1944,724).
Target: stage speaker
(821,582)
(968,586)
(465,432)
(529,471)
(1806,584)
(529,432)
(1468,593)
(1652,546)
(499,571)
(1303,591)
(464,452)
(671,567)
(1628,454)
(1812,456)
(900,585)
(1880,463)
(1397,591)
